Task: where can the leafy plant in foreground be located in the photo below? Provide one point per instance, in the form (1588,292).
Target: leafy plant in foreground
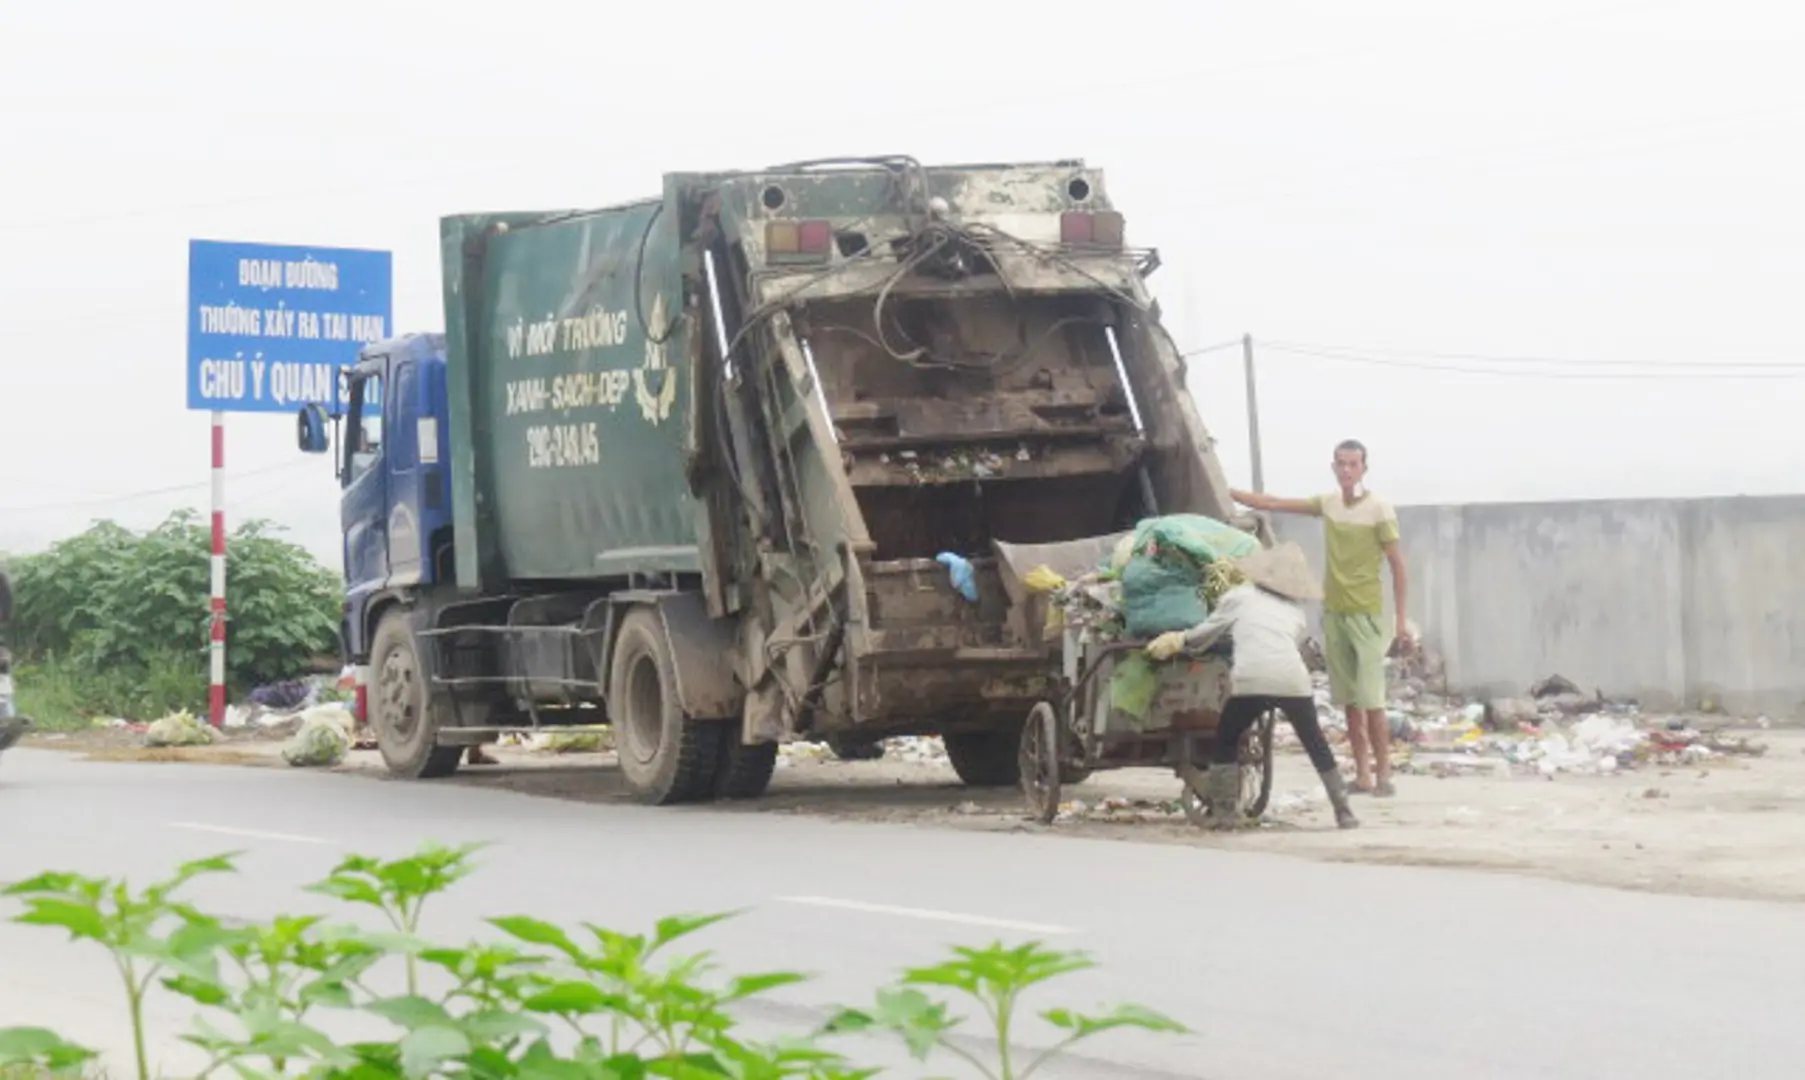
(995,978)
(544,1002)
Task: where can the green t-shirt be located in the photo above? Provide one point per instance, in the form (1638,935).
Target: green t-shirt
(1354,539)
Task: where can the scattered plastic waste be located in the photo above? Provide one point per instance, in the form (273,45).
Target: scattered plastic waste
(322,741)
(178,729)
(963,575)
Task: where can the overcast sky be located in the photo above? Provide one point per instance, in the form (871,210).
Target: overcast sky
(1614,185)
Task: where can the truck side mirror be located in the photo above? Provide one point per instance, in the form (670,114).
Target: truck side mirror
(310,430)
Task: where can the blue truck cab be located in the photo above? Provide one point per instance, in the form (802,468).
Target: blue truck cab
(394,471)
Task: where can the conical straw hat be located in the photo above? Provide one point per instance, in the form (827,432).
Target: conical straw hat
(1282,569)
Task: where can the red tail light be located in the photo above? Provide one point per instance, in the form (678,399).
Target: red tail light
(799,241)
(1084,229)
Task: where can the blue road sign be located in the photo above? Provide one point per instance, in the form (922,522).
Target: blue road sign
(270,325)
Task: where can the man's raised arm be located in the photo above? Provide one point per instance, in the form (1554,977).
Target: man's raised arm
(1272,504)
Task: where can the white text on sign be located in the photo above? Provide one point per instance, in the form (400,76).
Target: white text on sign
(284,322)
(562,446)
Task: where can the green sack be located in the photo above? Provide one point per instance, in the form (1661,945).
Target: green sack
(1133,684)
(1202,538)
(1158,596)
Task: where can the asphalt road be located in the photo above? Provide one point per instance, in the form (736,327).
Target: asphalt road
(1285,968)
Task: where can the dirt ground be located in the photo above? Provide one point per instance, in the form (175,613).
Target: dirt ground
(1728,827)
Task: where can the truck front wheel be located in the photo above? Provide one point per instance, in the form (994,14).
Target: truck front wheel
(402,708)
(664,755)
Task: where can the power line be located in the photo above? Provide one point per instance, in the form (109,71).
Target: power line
(1231,343)
(1505,358)
(147,493)
(1574,370)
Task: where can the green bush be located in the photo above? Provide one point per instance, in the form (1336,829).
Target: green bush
(623,1011)
(114,623)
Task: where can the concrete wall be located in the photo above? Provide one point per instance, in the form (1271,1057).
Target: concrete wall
(1671,602)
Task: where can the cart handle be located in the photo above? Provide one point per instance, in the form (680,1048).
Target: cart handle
(1104,652)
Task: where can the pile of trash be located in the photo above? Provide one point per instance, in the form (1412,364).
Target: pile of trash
(178,729)
(1557,729)
(323,737)
(1166,575)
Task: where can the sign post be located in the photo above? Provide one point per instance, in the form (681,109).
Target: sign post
(269,327)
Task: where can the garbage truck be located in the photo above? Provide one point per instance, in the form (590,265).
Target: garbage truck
(728,467)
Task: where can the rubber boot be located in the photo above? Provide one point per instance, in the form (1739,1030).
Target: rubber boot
(1337,789)
(1223,787)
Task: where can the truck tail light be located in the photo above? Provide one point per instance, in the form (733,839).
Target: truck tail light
(1085,229)
(799,241)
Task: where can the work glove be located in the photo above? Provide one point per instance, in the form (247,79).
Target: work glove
(1167,645)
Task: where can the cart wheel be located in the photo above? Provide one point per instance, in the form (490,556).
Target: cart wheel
(1256,765)
(1040,763)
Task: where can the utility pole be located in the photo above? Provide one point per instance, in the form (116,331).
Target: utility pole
(1253,413)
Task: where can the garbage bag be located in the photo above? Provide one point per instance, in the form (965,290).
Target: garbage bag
(1175,565)
(178,729)
(1158,596)
(1203,539)
(1132,686)
(320,742)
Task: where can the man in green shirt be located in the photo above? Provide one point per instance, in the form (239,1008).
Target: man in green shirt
(1360,530)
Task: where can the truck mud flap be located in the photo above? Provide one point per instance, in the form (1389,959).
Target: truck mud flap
(702,648)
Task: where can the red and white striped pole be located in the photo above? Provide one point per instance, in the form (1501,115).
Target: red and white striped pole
(216,644)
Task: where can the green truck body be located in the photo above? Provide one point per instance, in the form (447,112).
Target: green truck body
(705,450)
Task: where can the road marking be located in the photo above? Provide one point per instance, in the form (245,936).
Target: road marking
(929,914)
(251,834)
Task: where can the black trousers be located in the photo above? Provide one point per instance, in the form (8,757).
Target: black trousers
(1241,712)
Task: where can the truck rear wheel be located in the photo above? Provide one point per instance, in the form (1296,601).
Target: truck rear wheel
(403,710)
(986,758)
(665,756)
(744,771)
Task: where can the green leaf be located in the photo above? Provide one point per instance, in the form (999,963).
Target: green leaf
(1081,1026)
(571,999)
(536,932)
(425,1049)
(672,927)
(494,1025)
(201,991)
(350,890)
(30,1046)
(921,1021)
(745,986)
(82,920)
(328,992)
(411,1012)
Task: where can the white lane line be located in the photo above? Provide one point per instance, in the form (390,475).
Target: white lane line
(929,914)
(250,834)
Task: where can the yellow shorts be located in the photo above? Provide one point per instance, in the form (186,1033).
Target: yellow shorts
(1355,647)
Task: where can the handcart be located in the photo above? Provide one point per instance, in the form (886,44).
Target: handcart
(1082,731)
(1078,729)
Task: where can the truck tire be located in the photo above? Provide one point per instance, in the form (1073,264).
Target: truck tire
(986,758)
(403,710)
(744,772)
(664,755)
